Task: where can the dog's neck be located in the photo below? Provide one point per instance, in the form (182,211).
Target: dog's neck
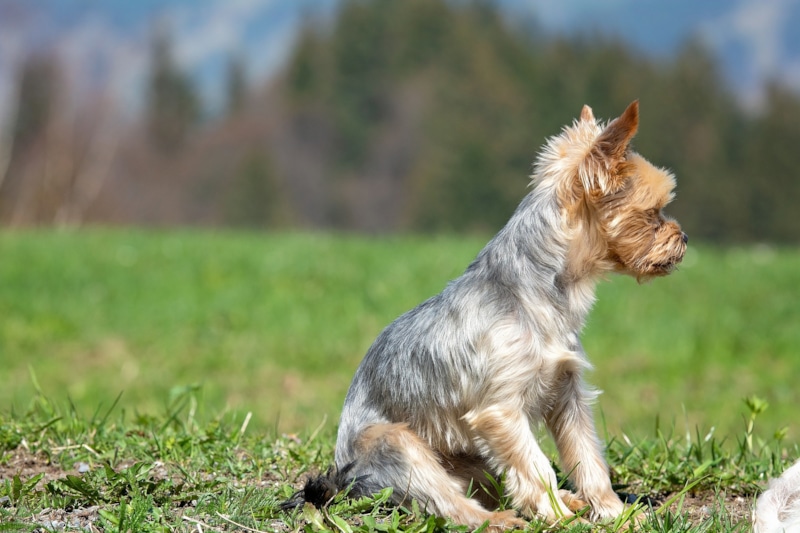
(534,256)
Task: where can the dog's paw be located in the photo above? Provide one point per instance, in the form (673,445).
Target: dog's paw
(572,501)
(605,508)
(505,520)
(555,511)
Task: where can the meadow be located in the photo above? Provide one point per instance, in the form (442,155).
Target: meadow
(275,325)
(162,381)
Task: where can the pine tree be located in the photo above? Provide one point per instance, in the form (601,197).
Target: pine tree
(236,84)
(173,107)
(38,81)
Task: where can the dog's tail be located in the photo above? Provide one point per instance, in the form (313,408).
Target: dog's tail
(322,489)
(778,508)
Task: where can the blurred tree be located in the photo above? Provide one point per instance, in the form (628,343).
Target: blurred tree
(255,198)
(173,107)
(360,85)
(480,135)
(306,69)
(38,82)
(235,84)
(484,96)
(772,165)
(60,155)
(36,104)
(413,115)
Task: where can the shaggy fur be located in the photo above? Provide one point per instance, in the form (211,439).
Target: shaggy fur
(778,508)
(448,392)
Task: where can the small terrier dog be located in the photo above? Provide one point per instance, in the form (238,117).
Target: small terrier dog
(447,394)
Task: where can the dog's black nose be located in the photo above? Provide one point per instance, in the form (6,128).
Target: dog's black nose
(685,238)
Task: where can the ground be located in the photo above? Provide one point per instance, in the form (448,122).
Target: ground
(696,507)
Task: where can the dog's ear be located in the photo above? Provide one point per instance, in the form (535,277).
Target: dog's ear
(604,171)
(586,114)
(614,140)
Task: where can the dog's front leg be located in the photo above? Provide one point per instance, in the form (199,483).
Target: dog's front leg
(571,424)
(503,433)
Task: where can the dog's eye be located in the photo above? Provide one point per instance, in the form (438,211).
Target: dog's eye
(654,218)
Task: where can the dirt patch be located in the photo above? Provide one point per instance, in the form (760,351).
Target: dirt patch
(22,463)
(700,507)
(26,465)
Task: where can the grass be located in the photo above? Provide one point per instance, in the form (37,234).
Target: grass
(114,472)
(163,381)
(276,324)
(269,324)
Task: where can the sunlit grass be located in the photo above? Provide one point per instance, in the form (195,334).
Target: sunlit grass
(169,471)
(275,324)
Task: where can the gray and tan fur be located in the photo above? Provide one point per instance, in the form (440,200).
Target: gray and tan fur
(450,390)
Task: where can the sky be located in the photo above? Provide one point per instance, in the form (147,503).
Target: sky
(104,43)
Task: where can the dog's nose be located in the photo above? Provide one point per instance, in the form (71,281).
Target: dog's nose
(685,238)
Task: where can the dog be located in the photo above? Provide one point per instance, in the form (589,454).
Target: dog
(778,508)
(447,395)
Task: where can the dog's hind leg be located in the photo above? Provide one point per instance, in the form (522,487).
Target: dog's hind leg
(392,455)
(475,473)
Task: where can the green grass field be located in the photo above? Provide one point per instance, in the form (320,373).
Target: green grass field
(177,381)
(276,324)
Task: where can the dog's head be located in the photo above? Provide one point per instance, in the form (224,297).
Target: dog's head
(613,198)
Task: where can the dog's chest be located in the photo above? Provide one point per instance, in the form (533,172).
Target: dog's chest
(550,375)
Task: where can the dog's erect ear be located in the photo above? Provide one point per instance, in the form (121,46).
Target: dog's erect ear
(604,169)
(614,140)
(586,114)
